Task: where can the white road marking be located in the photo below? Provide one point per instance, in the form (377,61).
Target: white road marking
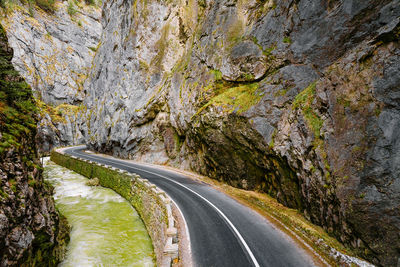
(255,262)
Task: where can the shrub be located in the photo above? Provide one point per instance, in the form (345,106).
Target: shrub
(71,8)
(287,40)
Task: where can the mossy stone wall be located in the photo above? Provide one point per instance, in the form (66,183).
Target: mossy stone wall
(151,203)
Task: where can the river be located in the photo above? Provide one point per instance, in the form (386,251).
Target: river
(106,229)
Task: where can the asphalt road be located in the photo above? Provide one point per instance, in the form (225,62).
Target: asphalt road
(222,231)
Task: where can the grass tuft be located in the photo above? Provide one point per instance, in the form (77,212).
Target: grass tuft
(71,9)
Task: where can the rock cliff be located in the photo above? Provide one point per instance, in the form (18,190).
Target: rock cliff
(31,231)
(54,53)
(299,99)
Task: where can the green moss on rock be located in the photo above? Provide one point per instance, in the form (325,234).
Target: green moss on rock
(233,97)
(24,195)
(304,101)
(148,204)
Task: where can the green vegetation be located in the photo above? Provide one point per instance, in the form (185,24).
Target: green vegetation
(232,97)
(18,118)
(287,40)
(133,190)
(46,5)
(217,75)
(144,66)
(281,92)
(12,183)
(239,98)
(32,182)
(268,51)
(17,107)
(3,194)
(58,113)
(145,11)
(304,101)
(71,8)
(267,6)
(108,219)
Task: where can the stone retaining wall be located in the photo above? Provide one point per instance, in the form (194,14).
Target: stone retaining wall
(152,203)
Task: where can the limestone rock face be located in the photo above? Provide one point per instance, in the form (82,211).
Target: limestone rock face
(245,62)
(299,99)
(31,231)
(54,53)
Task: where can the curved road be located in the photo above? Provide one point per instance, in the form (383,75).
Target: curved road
(222,231)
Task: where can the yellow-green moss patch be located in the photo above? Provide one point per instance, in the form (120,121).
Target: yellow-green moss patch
(304,101)
(234,99)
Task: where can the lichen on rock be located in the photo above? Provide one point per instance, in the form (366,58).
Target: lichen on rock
(53,51)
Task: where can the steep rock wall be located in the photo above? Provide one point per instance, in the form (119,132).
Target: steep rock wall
(54,53)
(299,99)
(31,231)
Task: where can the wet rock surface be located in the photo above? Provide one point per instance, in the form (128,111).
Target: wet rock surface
(31,230)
